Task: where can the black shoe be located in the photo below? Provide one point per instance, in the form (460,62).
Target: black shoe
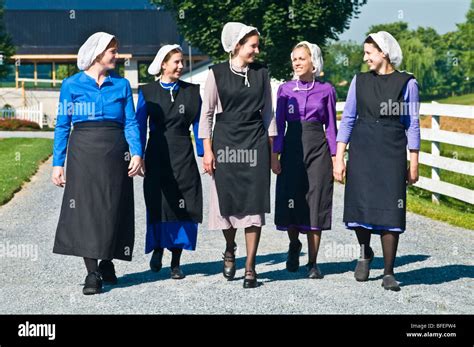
(313,271)
(293,261)
(93,284)
(389,283)
(250,282)
(362,270)
(229,271)
(155,261)
(107,270)
(176,273)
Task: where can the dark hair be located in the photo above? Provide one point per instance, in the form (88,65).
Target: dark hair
(244,39)
(168,57)
(370,40)
(113,43)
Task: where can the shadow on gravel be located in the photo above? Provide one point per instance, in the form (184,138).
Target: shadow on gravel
(332,268)
(205,269)
(327,268)
(434,275)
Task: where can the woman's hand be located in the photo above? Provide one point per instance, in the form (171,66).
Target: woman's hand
(209,162)
(58,177)
(135,166)
(412,175)
(276,166)
(339,169)
(142,170)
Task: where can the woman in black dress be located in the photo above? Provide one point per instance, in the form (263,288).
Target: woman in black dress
(172,185)
(238,157)
(380,119)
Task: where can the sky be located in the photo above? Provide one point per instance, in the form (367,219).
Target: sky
(442,15)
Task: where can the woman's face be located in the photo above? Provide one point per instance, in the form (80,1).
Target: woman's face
(109,59)
(249,49)
(302,64)
(374,58)
(173,67)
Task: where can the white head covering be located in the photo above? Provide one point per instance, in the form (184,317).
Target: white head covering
(94,45)
(389,46)
(155,66)
(232,33)
(316,56)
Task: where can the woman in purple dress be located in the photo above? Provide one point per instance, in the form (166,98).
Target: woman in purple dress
(305,183)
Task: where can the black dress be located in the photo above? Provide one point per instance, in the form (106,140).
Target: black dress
(172,184)
(240,143)
(375,191)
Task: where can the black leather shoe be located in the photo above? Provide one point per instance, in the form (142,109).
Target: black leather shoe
(155,261)
(229,271)
(107,270)
(176,273)
(93,284)
(250,282)
(362,270)
(313,271)
(389,283)
(293,261)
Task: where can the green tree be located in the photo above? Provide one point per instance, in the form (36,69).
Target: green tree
(7,49)
(342,60)
(282,24)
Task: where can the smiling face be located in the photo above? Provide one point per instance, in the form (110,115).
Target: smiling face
(172,65)
(108,58)
(374,57)
(247,49)
(301,60)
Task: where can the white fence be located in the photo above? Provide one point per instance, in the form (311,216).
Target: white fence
(30,113)
(435,160)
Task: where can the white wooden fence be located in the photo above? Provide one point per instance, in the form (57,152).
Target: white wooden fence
(30,113)
(435,160)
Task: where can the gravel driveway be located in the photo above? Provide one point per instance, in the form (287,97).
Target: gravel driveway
(435,266)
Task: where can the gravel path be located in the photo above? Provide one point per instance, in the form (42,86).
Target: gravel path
(435,265)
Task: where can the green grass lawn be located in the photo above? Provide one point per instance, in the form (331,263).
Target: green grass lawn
(19,160)
(450,210)
(466,99)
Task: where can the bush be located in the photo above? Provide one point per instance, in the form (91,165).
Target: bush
(18,124)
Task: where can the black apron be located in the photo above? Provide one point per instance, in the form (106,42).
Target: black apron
(97,215)
(304,188)
(375,191)
(172,184)
(240,143)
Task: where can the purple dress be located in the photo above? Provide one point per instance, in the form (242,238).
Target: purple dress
(305,185)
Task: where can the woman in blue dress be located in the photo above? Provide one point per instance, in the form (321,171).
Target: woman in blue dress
(103,154)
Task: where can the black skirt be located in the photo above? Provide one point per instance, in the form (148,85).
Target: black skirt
(240,145)
(97,213)
(375,191)
(172,185)
(304,187)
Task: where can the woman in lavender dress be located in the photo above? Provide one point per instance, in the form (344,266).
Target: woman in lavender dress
(305,183)
(377,175)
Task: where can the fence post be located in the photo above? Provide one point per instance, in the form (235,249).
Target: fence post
(41,116)
(435,151)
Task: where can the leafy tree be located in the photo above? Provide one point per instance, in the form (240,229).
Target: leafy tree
(282,24)
(7,49)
